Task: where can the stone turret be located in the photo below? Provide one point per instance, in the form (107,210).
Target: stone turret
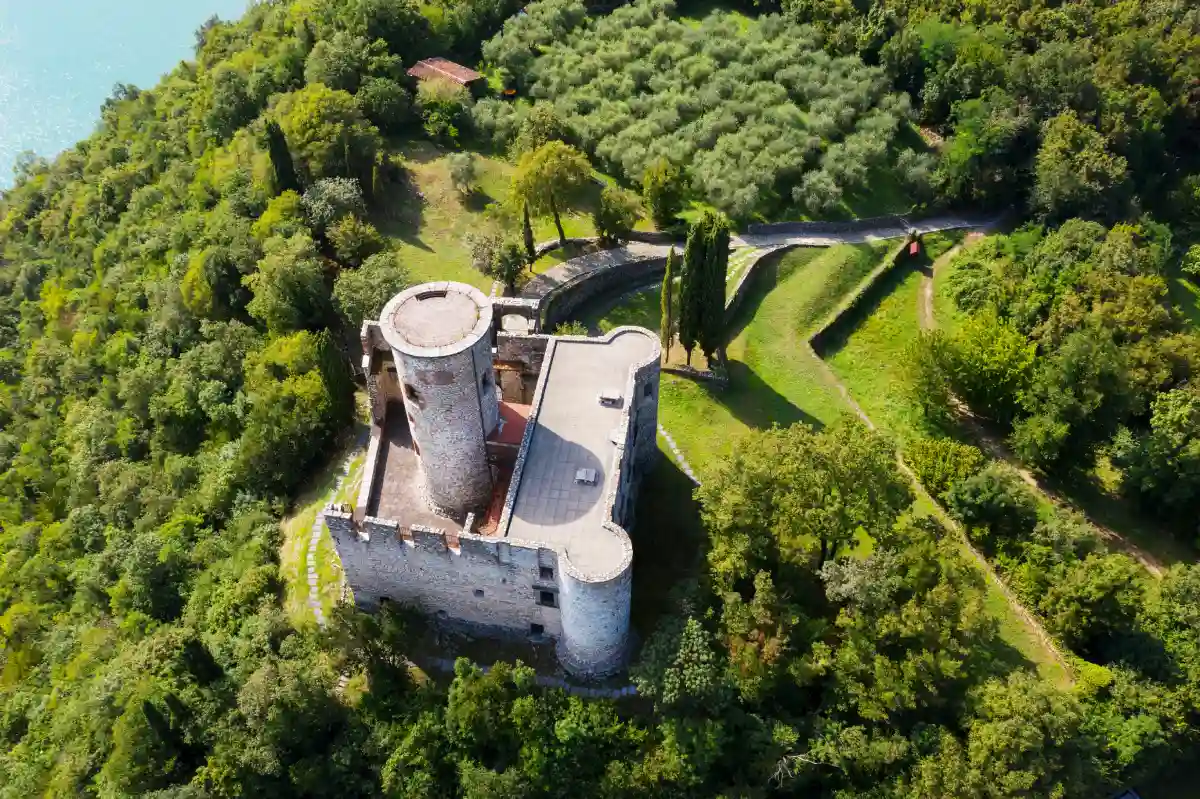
(440,335)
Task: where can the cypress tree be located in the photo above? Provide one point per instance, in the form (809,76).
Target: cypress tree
(690,290)
(281,159)
(665,305)
(712,303)
(527,230)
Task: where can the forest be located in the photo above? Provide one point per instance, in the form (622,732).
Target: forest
(181,292)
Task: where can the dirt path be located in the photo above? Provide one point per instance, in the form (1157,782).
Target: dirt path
(995,446)
(1031,621)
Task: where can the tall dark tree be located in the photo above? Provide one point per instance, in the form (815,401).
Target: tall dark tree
(281,160)
(702,293)
(527,233)
(716,264)
(666,305)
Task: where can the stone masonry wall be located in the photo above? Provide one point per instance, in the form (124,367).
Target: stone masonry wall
(562,301)
(452,405)
(484,582)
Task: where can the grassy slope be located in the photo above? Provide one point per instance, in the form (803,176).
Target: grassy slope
(775,377)
(428,230)
(870,364)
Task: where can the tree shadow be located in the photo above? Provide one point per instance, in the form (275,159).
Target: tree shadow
(669,542)
(401,210)
(756,404)
(478,200)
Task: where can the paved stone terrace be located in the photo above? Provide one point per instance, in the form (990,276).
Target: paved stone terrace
(396,494)
(574,431)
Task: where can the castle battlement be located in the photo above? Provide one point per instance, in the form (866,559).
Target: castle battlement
(545,437)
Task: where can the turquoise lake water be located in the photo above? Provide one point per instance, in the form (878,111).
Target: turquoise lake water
(59,60)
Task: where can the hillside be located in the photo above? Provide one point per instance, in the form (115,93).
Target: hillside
(180,303)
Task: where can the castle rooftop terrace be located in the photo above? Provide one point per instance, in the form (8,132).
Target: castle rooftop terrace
(572,430)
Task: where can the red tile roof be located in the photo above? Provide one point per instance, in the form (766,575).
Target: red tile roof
(441,68)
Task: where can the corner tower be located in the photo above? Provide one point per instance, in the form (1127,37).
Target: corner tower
(440,335)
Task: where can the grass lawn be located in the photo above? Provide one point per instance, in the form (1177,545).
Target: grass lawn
(775,378)
(945,311)
(427,218)
(641,307)
(297,534)
(871,361)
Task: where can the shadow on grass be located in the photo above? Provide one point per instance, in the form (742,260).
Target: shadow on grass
(669,543)
(478,200)
(834,337)
(640,306)
(401,211)
(756,404)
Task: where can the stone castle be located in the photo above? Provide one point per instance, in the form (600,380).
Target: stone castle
(502,473)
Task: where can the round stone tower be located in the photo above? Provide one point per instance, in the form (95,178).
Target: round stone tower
(441,338)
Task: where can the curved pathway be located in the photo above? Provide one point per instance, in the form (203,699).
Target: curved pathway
(793,234)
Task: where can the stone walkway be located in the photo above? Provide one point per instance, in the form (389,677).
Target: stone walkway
(314,594)
(678,455)
(633,251)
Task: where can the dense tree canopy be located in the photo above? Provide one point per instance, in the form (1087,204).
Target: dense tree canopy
(180,295)
(748,112)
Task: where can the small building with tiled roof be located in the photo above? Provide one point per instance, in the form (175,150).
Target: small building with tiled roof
(434,68)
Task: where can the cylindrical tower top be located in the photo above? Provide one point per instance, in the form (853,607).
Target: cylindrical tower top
(440,337)
(436,319)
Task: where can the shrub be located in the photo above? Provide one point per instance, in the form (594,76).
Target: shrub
(1094,602)
(444,107)
(385,102)
(572,328)
(943,463)
(354,240)
(615,215)
(464,172)
(284,217)
(1191,262)
(361,293)
(997,508)
(330,199)
(662,188)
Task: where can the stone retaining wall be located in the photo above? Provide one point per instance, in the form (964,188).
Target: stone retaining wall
(820,339)
(561,302)
(831,228)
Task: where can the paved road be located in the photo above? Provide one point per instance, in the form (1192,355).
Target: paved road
(634,251)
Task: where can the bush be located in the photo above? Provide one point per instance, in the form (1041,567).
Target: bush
(662,188)
(1191,262)
(942,463)
(284,216)
(464,172)
(997,508)
(361,293)
(616,214)
(572,328)
(330,199)
(444,107)
(354,240)
(1094,602)
(386,103)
